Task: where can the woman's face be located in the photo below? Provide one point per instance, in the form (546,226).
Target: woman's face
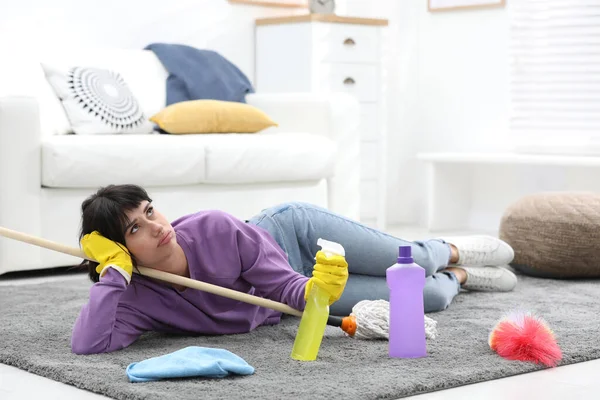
(149,236)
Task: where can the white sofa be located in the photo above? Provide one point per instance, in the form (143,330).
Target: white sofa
(45,173)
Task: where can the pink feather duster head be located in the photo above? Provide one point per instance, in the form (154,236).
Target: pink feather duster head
(525,337)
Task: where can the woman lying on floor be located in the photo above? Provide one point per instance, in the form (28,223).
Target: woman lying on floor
(272,256)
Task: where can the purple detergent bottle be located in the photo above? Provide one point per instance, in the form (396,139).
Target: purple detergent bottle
(406,281)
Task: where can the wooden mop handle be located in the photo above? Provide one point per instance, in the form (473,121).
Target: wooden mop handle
(156,274)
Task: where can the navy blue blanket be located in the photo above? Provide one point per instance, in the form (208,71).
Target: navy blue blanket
(200,74)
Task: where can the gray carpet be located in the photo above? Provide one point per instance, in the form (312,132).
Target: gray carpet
(36,320)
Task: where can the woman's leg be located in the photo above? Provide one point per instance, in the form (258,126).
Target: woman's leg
(297,226)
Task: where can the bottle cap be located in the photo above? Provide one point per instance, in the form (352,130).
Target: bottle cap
(332,248)
(405,255)
(405,251)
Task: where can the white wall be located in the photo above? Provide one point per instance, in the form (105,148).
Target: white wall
(461,94)
(448,89)
(463,75)
(41,25)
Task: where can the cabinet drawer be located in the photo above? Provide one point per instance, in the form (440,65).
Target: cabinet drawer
(369,124)
(360,80)
(347,43)
(369,160)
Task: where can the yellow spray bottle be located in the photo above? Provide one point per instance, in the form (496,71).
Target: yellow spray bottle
(314,318)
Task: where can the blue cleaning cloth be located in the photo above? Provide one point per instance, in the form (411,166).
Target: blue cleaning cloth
(196,74)
(188,362)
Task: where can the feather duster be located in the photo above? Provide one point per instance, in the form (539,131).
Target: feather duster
(525,337)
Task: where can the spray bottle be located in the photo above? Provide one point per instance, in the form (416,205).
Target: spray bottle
(314,319)
(406,281)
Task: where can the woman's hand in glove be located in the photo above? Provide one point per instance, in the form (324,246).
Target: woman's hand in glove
(108,254)
(330,273)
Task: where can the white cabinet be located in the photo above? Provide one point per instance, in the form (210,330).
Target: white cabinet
(321,53)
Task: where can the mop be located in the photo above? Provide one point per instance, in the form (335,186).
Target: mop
(369,318)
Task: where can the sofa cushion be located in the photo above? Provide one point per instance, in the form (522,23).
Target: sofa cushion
(268,157)
(211,116)
(72,161)
(555,235)
(141,70)
(97,101)
(89,161)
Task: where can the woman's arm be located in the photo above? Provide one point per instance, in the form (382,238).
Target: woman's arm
(102,326)
(235,248)
(265,266)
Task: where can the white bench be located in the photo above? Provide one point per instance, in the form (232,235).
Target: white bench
(470,191)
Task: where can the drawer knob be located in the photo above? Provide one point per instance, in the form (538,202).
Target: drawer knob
(349,42)
(349,81)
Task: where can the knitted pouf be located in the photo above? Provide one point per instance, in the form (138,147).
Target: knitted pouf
(555,235)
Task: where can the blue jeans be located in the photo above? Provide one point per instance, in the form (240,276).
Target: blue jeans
(369,252)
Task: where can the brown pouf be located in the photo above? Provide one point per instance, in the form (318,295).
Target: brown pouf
(555,235)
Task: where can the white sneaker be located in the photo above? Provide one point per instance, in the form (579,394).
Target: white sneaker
(482,250)
(489,279)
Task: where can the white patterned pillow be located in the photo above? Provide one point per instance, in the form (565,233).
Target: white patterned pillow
(97,101)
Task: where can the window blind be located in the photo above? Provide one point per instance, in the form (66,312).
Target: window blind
(555,74)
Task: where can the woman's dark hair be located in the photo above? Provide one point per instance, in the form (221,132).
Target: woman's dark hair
(105,212)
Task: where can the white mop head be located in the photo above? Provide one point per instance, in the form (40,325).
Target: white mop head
(372,320)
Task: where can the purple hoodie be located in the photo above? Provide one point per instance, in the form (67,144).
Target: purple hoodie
(220,249)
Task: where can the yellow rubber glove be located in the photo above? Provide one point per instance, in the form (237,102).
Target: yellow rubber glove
(108,254)
(330,274)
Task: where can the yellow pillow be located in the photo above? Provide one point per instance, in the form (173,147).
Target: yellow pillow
(211,116)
